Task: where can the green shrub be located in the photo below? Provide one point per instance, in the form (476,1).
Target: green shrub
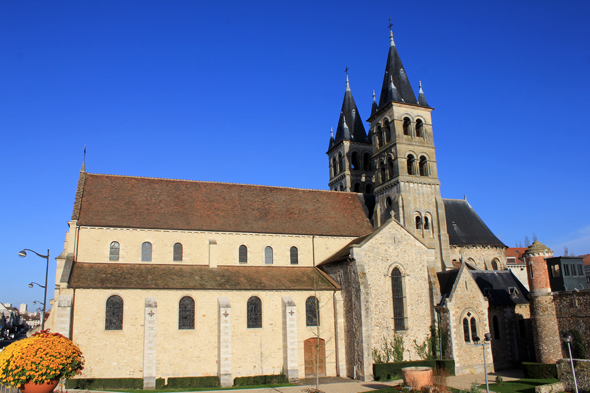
(261,380)
(193,382)
(539,370)
(105,383)
(446,364)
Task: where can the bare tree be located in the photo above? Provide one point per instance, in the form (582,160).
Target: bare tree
(527,242)
(565,251)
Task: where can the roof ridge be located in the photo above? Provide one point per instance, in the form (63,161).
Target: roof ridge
(220,182)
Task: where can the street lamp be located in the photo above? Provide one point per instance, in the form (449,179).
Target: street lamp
(487,339)
(568,338)
(23,254)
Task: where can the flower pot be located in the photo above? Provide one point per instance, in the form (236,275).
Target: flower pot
(47,387)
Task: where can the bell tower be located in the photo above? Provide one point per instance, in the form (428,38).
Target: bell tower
(350,152)
(406,178)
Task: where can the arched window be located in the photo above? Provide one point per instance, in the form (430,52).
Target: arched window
(426,223)
(254,313)
(340,164)
(382,172)
(294,256)
(114,251)
(386,133)
(495,264)
(268,255)
(466,334)
(368,189)
(390,173)
(334,167)
(114,313)
(367,162)
(496,327)
(410,162)
(399,315)
(473,323)
(379,134)
(146,252)
(407,125)
(418,222)
(357,187)
(341,187)
(186,313)
(177,257)
(243,254)
(312,311)
(419,128)
(354,160)
(423,166)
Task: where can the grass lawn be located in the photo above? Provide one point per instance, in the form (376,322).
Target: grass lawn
(519,386)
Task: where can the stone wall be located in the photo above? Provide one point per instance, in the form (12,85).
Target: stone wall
(582,368)
(480,256)
(194,352)
(573,313)
(514,343)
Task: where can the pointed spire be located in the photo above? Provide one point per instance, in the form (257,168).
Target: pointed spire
(331,132)
(395,69)
(331,145)
(354,125)
(421,97)
(374,106)
(392,93)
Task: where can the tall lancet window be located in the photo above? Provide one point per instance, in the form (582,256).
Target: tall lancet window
(114,313)
(397,289)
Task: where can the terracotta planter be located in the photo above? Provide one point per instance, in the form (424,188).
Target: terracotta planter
(416,377)
(46,387)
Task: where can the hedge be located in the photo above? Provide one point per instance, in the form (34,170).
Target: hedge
(105,383)
(261,380)
(539,370)
(193,382)
(388,371)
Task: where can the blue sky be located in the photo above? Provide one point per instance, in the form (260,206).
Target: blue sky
(247,92)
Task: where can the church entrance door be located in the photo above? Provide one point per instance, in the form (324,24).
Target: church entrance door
(314,350)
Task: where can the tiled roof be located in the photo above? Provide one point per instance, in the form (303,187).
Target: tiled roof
(586,259)
(516,252)
(152,276)
(139,202)
(465,227)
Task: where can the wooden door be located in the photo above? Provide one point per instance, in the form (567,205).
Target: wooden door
(314,350)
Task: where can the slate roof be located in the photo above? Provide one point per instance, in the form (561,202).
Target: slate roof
(446,281)
(356,129)
(498,282)
(160,276)
(465,227)
(394,69)
(139,202)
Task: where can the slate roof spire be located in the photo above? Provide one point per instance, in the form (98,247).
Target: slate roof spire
(350,118)
(394,71)
(392,93)
(374,107)
(331,138)
(421,97)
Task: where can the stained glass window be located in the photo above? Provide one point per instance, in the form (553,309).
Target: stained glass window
(312,311)
(114,313)
(294,256)
(254,312)
(243,254)
(466,330)
(399,317)
(473,329)
(186,313)
(177,252)
(114,252)
(146,252)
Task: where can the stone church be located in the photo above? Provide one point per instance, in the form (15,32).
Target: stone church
(183,278)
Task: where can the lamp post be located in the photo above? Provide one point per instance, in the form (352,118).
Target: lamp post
(23,254)
(568,338)
(487,339)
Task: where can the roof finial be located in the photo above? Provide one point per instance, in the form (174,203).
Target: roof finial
(374,100)
(84,160)
(391,33)
(347,84)
(331,132)
(421,87)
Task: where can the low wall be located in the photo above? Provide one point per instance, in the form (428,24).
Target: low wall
(564,373)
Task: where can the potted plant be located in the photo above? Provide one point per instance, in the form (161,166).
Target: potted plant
(36,364)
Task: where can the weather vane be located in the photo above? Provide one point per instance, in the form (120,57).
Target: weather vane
(346,70)
(390,24)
